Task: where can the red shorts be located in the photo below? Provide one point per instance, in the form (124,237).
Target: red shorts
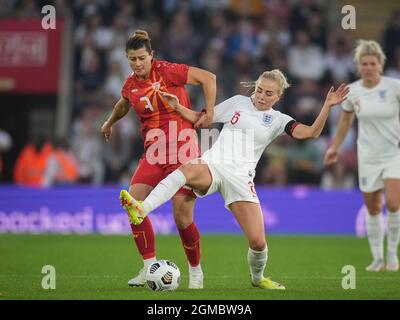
(152,174)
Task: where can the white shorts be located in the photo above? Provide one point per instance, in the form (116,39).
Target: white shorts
(372,173)
(234,184)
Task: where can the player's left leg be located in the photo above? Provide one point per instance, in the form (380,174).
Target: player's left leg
(183,206)
(250,218)
(375,229)
(392,190)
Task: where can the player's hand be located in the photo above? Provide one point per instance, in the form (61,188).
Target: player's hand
(171,99)
(106,130)
(331,156)
(336,97)
(204,121)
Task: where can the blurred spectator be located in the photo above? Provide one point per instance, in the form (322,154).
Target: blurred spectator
(87,145)
(301,13)
(338,177)
(183,44)
(62,165)
(28,9)
(31,164)
(278,9)
(391,37)
(316,30)
(340,62)
(243,38)
(305,102)
(116,155)
(5,145)
(6,8)
(115,80)
(247,8)
(305,162)
(393,69)
(274,171)
(305,60)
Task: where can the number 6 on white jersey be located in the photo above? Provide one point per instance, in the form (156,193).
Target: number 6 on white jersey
(148,103)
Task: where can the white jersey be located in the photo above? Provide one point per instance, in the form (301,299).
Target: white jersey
(378,113)
(246,133)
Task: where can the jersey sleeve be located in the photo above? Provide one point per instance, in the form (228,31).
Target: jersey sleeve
(221,110)
(175,73)
(284,120)
(347,105)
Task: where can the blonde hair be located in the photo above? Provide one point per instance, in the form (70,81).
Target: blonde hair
(274,75)
(369,47)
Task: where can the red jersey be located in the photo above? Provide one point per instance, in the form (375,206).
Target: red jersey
(153,112)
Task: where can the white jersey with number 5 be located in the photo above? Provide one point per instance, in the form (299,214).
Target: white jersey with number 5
(246,133)
(378,113)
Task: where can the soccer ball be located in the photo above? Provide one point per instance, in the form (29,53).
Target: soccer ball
(163,275)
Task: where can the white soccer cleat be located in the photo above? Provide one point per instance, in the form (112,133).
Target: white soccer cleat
(196,280)
(392,263)
(139,280)
(376,266)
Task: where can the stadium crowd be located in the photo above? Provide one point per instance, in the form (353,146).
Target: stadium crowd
(236,40)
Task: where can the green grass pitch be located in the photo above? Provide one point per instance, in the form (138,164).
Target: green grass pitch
(98,267)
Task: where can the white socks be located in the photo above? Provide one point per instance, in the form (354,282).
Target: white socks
(196,269)
(164,191)
(257,261)
(376,234)
(393,234)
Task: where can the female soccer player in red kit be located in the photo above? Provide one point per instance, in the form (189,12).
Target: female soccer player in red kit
(141,90)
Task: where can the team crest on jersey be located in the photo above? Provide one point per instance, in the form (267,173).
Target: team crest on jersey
(267,119)
(382,95)
(156,86)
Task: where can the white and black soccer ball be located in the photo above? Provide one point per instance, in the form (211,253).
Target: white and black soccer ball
(163,275)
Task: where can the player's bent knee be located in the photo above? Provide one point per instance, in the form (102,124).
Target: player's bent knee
(190,172)
(374,209)
(258,245)
(392,206)
(183,222)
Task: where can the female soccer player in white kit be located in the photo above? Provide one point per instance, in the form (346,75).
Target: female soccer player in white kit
(250,125)
(375,100)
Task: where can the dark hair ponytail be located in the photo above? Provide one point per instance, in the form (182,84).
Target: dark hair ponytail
(139,39)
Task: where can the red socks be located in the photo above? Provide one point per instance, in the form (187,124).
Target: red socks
(145,241)
(144,238)
(191,243)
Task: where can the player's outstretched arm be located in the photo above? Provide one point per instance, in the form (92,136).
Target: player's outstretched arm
(333,98)
(121,108)
(186,113)
(345,122)
(208,81)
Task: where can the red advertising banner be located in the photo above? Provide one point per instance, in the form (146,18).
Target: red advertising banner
(30,56)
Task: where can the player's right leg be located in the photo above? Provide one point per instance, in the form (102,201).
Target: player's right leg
(144,179)
(143,235)
(195,175)
(250,218)
(375,229)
